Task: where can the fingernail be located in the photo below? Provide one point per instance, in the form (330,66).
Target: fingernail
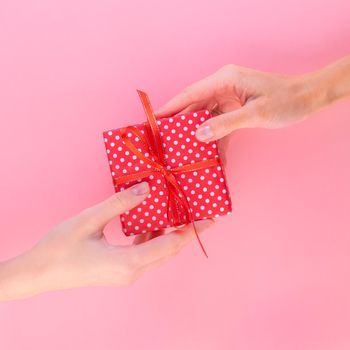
(204,133)
(140,189)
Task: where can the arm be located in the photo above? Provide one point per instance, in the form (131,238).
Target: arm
(76,254)
(332,82)
(244,98)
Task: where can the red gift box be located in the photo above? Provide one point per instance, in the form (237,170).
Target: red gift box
(183,167)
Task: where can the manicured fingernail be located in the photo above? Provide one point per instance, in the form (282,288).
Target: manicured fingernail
(140,189)
(204,133)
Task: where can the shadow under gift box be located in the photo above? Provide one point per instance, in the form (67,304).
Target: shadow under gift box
(206,189)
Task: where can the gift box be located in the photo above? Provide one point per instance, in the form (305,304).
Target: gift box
(186,176)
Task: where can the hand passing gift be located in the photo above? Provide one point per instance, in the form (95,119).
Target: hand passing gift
(186,176)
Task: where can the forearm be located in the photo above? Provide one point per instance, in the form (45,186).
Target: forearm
(330,84)
(19,277)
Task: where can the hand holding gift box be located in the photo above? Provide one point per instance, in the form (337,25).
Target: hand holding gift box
(186,176)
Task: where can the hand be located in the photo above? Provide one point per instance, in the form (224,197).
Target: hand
(245,98)
(76,254)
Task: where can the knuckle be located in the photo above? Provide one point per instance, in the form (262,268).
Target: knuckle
(228,76)
(230,70)
(84,221)
(118,202)
(228,67)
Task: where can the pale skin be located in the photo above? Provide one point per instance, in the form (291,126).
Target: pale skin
(76,254)
(244,98)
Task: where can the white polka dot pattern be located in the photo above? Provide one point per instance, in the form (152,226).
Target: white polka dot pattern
(206,189)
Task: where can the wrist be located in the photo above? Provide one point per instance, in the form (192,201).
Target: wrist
(329,84)
(20,277)
(314,92)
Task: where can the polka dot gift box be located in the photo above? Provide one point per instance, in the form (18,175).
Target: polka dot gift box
(186,176)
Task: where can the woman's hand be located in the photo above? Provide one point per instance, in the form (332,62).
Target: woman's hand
(76,254)
(245,98)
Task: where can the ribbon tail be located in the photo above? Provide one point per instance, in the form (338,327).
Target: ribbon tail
(179,211)
(181,199)
(198,239)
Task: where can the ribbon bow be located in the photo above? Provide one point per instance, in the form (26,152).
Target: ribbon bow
(179,211)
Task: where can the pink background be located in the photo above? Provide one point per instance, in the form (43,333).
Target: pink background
(278,270)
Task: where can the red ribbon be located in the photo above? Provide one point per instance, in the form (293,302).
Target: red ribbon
(179,211)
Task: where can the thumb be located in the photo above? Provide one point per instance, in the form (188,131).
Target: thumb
(97,217)
(224,124)
(167,245)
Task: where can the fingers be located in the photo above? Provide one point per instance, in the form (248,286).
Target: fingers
(224,124)
(176,104)
(197,92)
(96,218)
(194,107)
(167,245)
(144,237)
